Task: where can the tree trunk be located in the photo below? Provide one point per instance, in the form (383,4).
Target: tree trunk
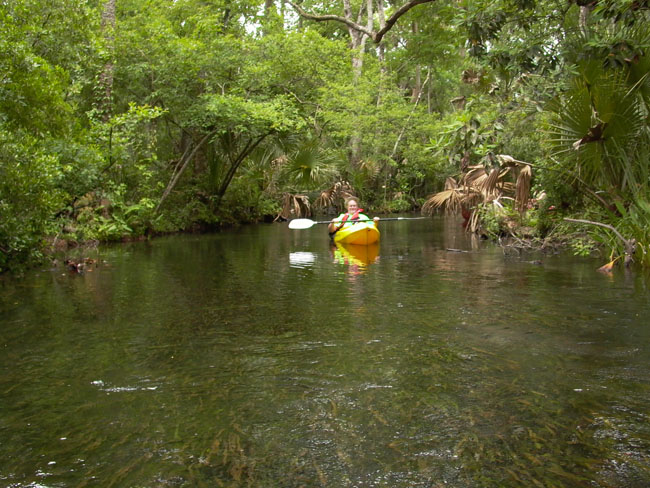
(358,44)
(582,21)
(357,38)
(417,85)
(381,52)
(106,76)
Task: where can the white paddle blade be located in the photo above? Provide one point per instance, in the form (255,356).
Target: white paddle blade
(298,224)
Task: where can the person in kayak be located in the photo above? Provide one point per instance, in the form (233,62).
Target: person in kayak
(352,215)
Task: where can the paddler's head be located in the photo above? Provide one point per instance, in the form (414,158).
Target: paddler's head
(352,205)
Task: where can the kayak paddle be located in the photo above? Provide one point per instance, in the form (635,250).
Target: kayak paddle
(307,223)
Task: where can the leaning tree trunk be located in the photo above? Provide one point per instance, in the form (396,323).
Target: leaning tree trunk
(183,163)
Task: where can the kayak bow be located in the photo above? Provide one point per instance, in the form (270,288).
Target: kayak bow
(360,233)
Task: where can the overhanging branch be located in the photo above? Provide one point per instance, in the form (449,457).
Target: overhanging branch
(396,15)
(328,17)
(375,36)
(629,244)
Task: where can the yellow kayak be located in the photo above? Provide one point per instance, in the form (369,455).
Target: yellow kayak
(360,233)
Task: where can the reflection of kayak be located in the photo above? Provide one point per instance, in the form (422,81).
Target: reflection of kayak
(362,233)
(357,254)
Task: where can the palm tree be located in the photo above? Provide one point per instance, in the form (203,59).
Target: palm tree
(600,133)
(306,165)
(596,124)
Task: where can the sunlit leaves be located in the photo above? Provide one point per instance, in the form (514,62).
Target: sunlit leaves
(233,113)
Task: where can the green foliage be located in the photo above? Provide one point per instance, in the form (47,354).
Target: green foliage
(635,224)
(384,133)
(240,115)
(583,246)
(309,166)
(229,105)
(295,64)
(500,218)
(246,202)
(632,222)
(468,137)
(513,37)
(595,123)
(128,141)
(398,205)
(520,137)
(492,219)
(110,216)
(45,49)
(29,198)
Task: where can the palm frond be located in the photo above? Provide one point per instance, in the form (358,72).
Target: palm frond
(325,199)
(450,183)
(451,200)
(508,188)
(370,167)
(601,114)
(309,164)
(294,206)
(474,177)
(522,192)
(489,185)
(334,196)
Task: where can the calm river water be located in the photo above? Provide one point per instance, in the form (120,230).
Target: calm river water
(264,357)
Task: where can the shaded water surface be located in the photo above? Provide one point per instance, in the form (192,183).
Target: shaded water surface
(263,357)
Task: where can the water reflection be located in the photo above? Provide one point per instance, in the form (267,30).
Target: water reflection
(302,259)
(217,361)
(357,257)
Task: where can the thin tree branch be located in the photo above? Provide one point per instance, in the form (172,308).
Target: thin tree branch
(234,165)
(629,244)
(396,15)
(375,36)
(600,224)
(328,17)
(415,106)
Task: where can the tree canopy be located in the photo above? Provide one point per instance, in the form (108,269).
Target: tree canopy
(124,118)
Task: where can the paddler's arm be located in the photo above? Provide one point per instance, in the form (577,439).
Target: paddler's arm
(331,228)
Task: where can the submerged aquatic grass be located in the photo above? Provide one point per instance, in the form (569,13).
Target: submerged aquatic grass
(213,361)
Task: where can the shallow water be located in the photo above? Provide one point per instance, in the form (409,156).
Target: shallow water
(265,357)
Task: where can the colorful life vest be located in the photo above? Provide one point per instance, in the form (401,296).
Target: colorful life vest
(345,218)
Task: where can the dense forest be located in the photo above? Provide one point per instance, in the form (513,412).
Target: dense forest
(128,118)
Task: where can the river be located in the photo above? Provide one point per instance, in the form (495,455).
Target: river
(263,356)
